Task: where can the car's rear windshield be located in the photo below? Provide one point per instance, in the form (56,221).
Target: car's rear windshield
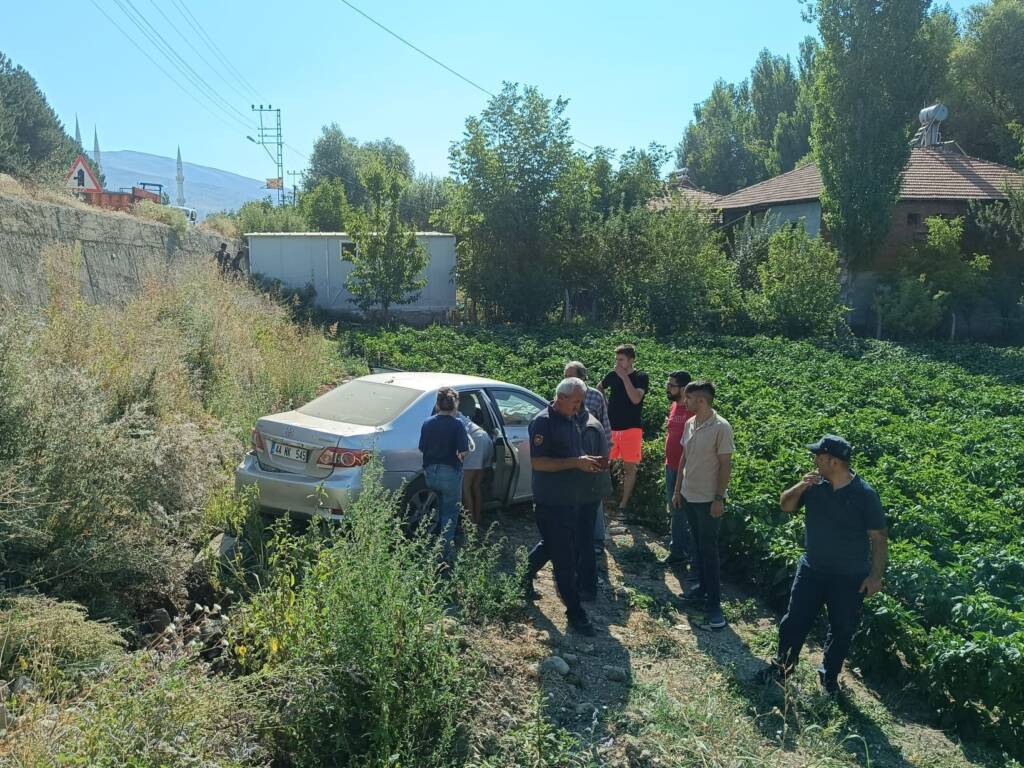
(367,403)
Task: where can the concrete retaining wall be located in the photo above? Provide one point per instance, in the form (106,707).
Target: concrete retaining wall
(119,252)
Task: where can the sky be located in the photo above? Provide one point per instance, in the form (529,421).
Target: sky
(632,71)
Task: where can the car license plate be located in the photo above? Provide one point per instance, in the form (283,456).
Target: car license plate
(286,451)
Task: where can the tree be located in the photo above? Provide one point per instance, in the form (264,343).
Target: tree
(387,261)
(950,272)
(662,248)
(335,156)
(507,169)
(867,90)
(638,177)
(773,92)
(987,75)
(716,147)
(791,141)
(324,207)
(33,143)
(799,285)
(421,199)
(340,157)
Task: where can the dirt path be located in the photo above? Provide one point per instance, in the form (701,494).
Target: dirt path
(653,689)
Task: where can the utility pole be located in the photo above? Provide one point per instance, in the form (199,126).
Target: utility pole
(269,135)
(295,188)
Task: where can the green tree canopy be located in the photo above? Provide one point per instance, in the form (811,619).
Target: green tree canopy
(508,166)
(324,206)
(717,144)
(987,78)
(867,92)
(387,260)
(340,157)
(33,143)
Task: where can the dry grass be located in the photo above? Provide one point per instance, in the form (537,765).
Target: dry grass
(221,224)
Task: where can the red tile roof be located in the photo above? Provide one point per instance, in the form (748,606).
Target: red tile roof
(932,173)
(685,196)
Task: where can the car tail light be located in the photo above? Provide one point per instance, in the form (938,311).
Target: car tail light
(345,458)
(256,439)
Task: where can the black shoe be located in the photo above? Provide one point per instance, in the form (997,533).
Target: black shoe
(586,596)
(830,685)
(582,627)
(773,673)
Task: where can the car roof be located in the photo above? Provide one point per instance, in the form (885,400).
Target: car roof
(429,380)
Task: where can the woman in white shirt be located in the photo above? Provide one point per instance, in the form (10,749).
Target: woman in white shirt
(477,460)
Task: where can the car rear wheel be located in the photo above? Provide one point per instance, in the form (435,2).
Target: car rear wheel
(421,508)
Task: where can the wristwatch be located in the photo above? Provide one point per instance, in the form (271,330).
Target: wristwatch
(719,497)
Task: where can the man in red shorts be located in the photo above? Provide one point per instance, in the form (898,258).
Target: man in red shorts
(625,388)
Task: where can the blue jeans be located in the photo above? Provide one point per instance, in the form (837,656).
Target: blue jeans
(705,533)
(841,596)
(446,481)
(682,544)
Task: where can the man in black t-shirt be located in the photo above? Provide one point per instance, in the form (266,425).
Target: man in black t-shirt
(846,551)
(625,388)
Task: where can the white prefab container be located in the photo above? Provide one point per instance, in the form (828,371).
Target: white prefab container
(299,259)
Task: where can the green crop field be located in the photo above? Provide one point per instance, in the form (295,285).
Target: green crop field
(938,430)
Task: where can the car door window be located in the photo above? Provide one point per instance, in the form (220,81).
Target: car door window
(516,409)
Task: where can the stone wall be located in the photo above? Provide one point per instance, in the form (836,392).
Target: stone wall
(119,251)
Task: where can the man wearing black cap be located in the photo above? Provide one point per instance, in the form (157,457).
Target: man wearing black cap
(844,520)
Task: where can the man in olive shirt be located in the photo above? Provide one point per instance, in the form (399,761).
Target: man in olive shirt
(701,482)
(844,519)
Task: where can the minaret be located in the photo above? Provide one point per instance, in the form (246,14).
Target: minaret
(78,133)
(180,178)
(96,150)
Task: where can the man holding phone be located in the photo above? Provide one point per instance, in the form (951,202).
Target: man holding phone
(846,551)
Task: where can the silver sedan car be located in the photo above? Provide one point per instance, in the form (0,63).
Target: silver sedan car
(310,460)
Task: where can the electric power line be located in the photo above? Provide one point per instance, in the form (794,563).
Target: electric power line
(194,23)
(156,64)
(158,40)
(437,61)
(198,53)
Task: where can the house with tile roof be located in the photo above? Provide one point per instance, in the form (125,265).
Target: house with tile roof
(938,180)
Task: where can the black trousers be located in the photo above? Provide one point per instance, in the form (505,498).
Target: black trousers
(841,596)
(704,529)
(586,558)
(559,530)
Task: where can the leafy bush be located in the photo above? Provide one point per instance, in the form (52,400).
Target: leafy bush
(52,642)
(264,216)
(148,712)
(907,309)
(224,224)
(947,476)
(353,626)
(163,214)
(799,293)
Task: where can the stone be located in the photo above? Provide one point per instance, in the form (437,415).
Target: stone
(158,620)
(617,530)
(615,674)
(571,658)
(584,708)
(554,664)
(23,684)
(221,548)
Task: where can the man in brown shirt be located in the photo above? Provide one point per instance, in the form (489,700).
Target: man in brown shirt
(701,482)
